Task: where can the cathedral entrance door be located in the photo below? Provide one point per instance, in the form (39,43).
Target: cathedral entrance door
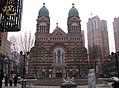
(58,75)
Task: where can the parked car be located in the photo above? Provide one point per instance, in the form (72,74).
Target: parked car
(19,79)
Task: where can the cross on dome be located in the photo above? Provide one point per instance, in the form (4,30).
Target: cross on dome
(43,4)
(57,24)
(73,4)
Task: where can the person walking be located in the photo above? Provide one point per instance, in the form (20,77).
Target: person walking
(1,77)
(15,80)
(10,79)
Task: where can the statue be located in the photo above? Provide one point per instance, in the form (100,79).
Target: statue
(68,83)
(68,80)
(91,79)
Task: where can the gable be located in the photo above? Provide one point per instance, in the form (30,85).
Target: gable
(74,19)
(58,32)
(42,18)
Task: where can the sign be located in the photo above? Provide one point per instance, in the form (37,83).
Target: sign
(10,15)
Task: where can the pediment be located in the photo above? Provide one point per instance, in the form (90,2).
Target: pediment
(42,18)
(58,32)
(74,18)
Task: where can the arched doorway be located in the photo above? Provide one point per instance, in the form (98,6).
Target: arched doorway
(59,63)
(59,75)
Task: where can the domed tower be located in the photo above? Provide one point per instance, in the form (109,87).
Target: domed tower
(73,22)
(43,21)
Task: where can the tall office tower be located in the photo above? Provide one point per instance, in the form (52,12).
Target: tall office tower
(97,34)
(116,32)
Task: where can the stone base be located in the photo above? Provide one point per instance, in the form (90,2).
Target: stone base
(30,82)
(68,86)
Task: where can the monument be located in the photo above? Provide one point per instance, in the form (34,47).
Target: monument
(91,79)
(68,83)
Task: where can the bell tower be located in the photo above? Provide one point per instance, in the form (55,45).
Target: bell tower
(43,21)
(73,22)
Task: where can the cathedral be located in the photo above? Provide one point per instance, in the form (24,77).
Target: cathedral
(58,54)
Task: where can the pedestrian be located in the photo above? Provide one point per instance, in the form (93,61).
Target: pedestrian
(6,80)
(1,77)
(10,79)
(15,80)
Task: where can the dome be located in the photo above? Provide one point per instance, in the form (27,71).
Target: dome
(43,11)
(73,11)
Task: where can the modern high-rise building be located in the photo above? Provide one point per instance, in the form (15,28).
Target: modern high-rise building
(116,33)
(58,54)
(97,34)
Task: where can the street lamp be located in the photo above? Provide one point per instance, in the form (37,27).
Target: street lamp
(23,58)
(7,65)
(116,61)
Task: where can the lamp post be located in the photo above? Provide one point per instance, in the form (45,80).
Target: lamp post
(116,62)
(23,58)
(7,65)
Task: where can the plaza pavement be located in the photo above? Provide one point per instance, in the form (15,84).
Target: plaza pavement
(83,86)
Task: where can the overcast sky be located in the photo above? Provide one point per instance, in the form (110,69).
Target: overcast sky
(58,12)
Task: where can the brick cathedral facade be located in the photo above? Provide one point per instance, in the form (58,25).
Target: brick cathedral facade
(58,54)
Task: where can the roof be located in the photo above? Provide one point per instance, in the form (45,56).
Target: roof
(43,11)
(73,11)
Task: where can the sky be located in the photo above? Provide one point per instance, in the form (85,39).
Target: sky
(58,12)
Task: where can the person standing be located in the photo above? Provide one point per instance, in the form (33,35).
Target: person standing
(6,80)
(1,77)
(10,79)
(15,80)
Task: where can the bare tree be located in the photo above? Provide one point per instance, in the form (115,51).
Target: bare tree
(14,44)
(94,52)
(94,56)
(22,43)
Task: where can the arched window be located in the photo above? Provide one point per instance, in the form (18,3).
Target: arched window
(42,28)
(59,55)
(74,27)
